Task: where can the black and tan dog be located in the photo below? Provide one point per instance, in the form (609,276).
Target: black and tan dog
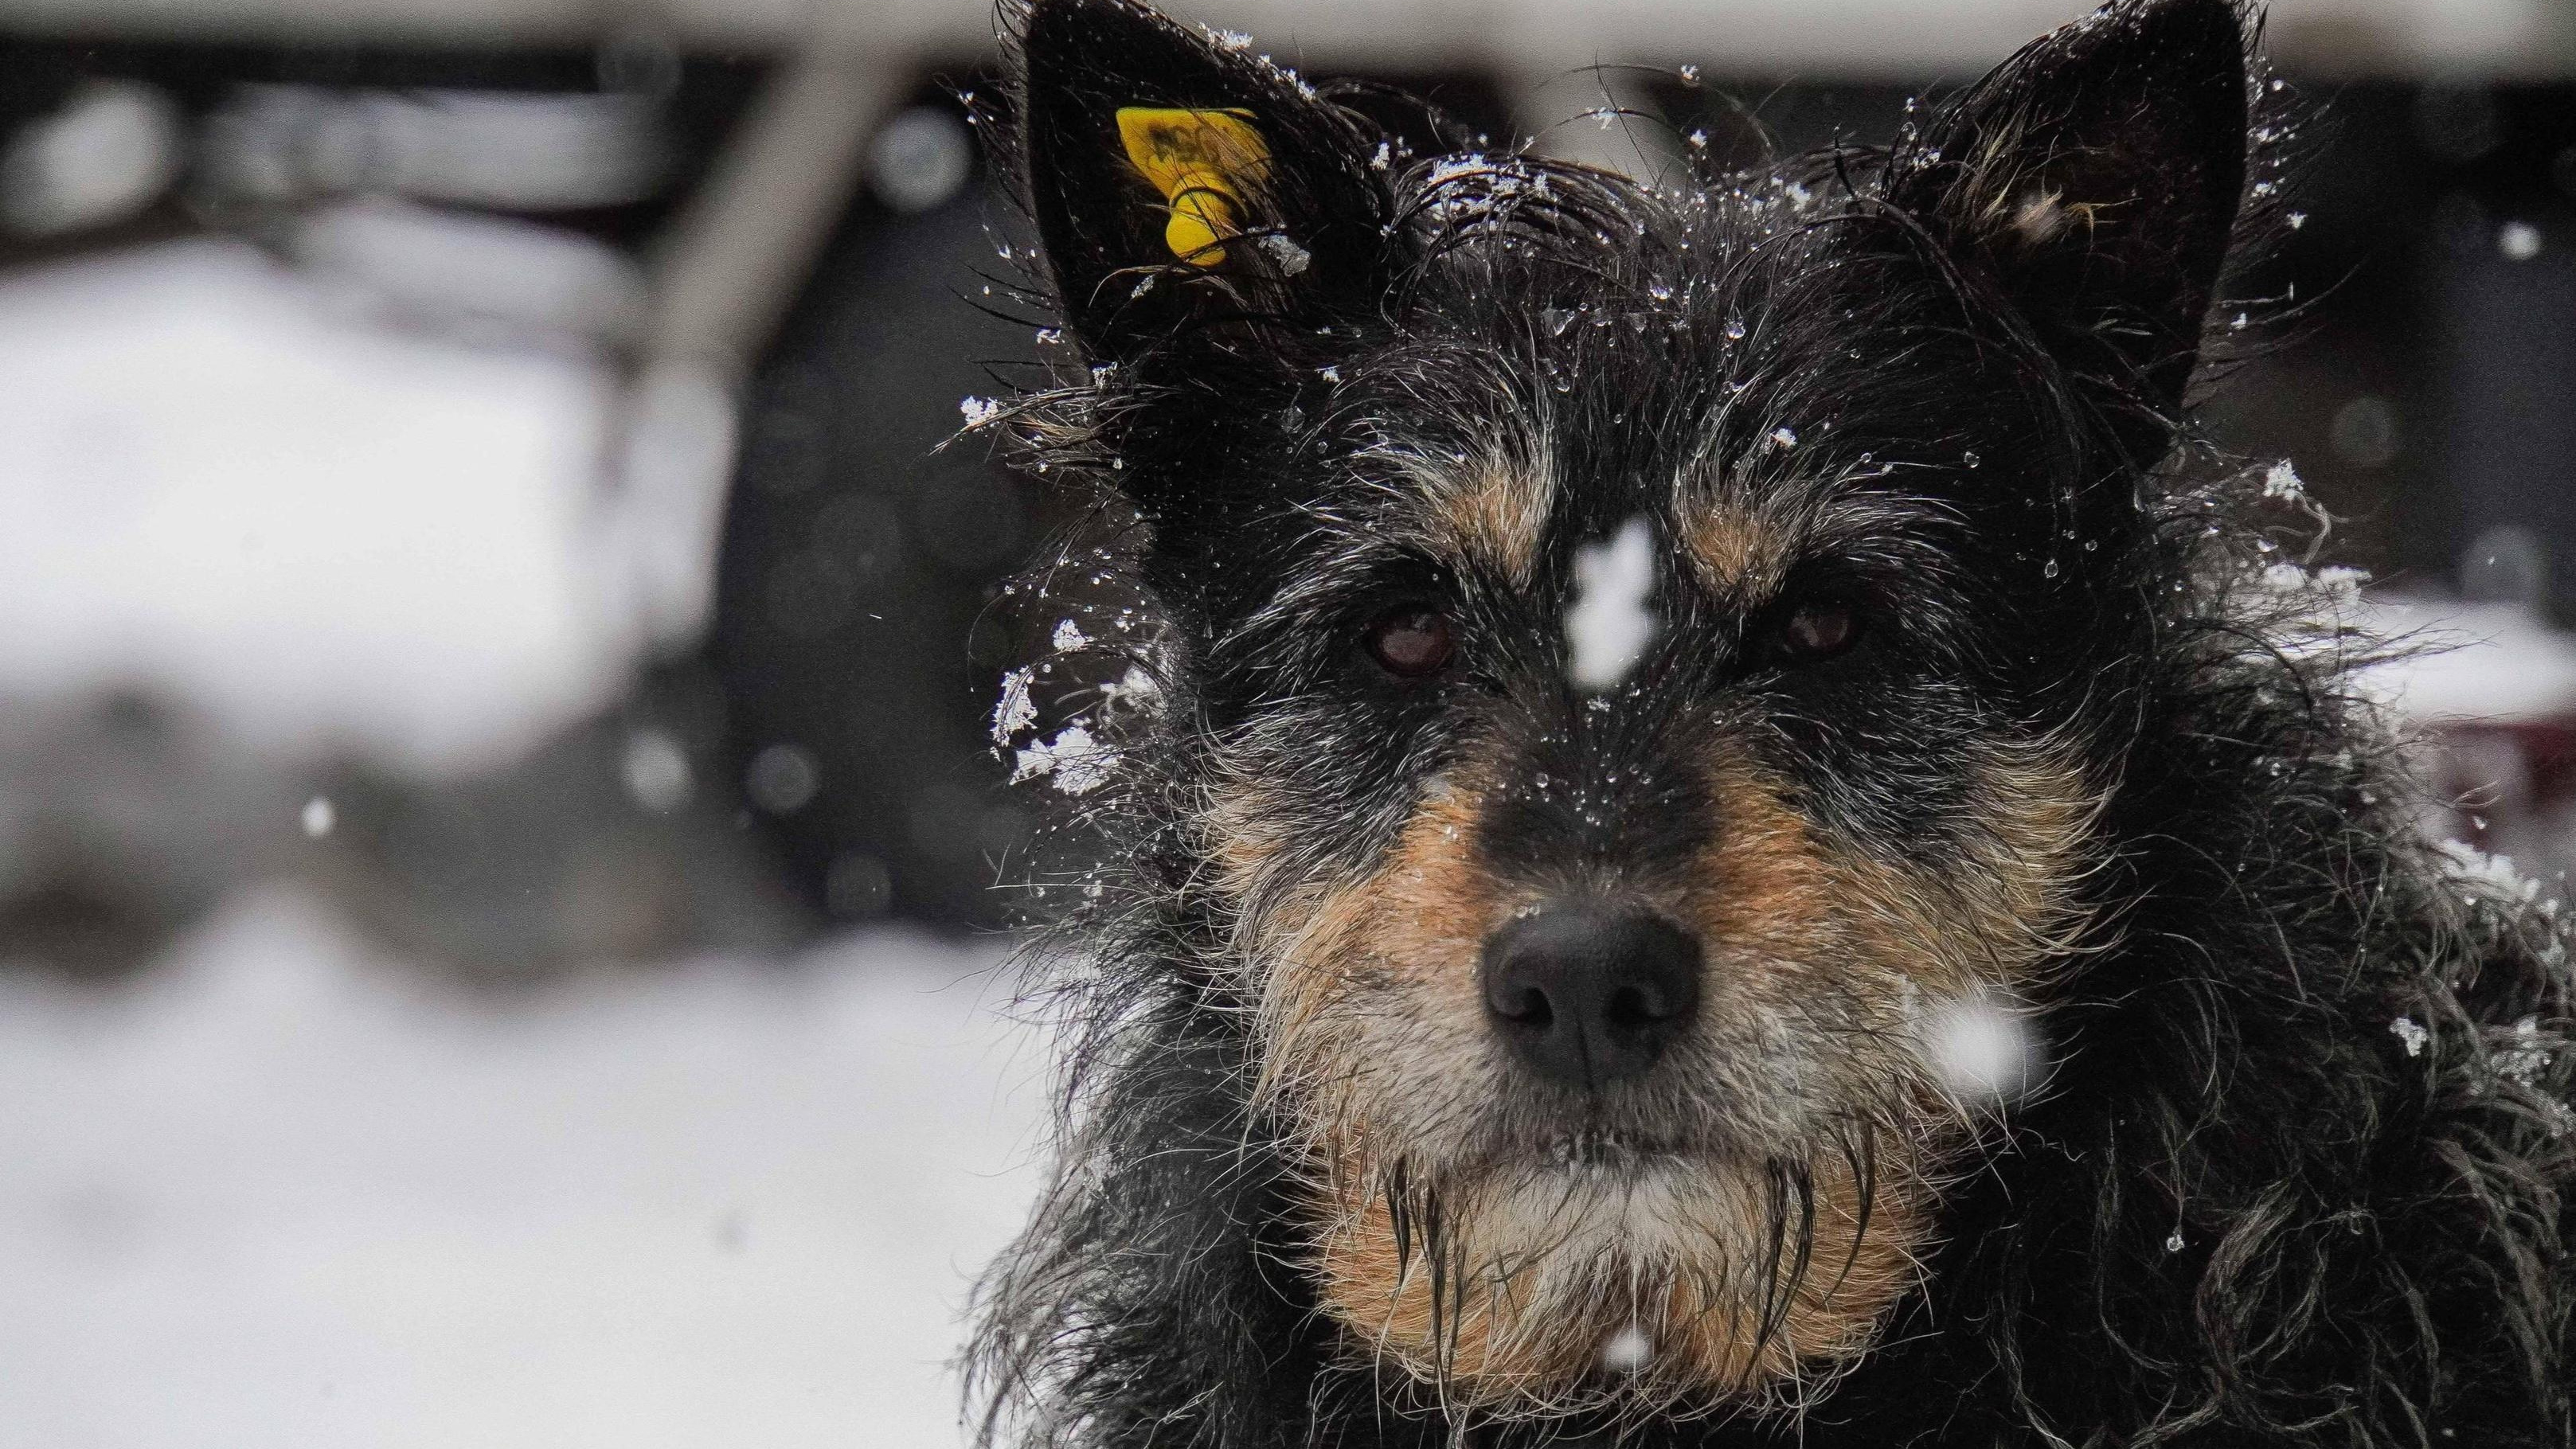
(1660,703)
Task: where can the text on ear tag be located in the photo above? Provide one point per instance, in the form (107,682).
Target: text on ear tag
(1202,162)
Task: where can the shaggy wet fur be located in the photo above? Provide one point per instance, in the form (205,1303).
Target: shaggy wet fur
(2294,1176)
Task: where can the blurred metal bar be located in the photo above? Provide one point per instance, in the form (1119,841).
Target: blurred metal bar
(732,263)
(1846,39)
(740,249)
(1600,115)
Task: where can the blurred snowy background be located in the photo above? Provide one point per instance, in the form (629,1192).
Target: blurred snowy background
(497,931)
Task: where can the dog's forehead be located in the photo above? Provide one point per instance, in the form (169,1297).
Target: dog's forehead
(1501,497)
(1540,407)
(1501,515)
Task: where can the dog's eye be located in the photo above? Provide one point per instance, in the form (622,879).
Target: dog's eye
(1411,642)
(1817,630)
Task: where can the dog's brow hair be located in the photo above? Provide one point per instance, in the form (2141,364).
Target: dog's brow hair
(1489,509)
(1742,547)
(1496,513)
(1743,540)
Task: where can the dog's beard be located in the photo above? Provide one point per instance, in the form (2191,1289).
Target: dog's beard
(1730,1231)
(1610,1269)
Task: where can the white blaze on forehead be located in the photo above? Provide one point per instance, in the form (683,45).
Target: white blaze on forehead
(1608,626)
(1979,1047)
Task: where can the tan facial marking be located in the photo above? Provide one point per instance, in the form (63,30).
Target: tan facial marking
(1496,514)
(1415,924)
(2010,902)
(1740,551)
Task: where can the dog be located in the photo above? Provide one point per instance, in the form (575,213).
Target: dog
(1720,826)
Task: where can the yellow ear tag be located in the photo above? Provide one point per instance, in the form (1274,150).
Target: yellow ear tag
(1201,161)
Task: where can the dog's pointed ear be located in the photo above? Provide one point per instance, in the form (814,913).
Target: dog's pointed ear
(2096,176)
(1187,191)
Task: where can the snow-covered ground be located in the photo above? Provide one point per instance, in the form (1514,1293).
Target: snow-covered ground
(280,1191)
(231,488)
(2473,663)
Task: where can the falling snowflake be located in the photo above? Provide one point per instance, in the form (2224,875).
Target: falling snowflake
(2281,481)
(1136,689)
(2496,873)
(1627,1351)
(1068,637)
(978,410)
(1292,258)
(1452,168)
(1979,1047)
(1608,626)
(2525,1059)
(1013,713)
(2411,1032)
(1077,763)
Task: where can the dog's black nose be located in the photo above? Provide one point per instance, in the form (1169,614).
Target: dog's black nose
(1586,994)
